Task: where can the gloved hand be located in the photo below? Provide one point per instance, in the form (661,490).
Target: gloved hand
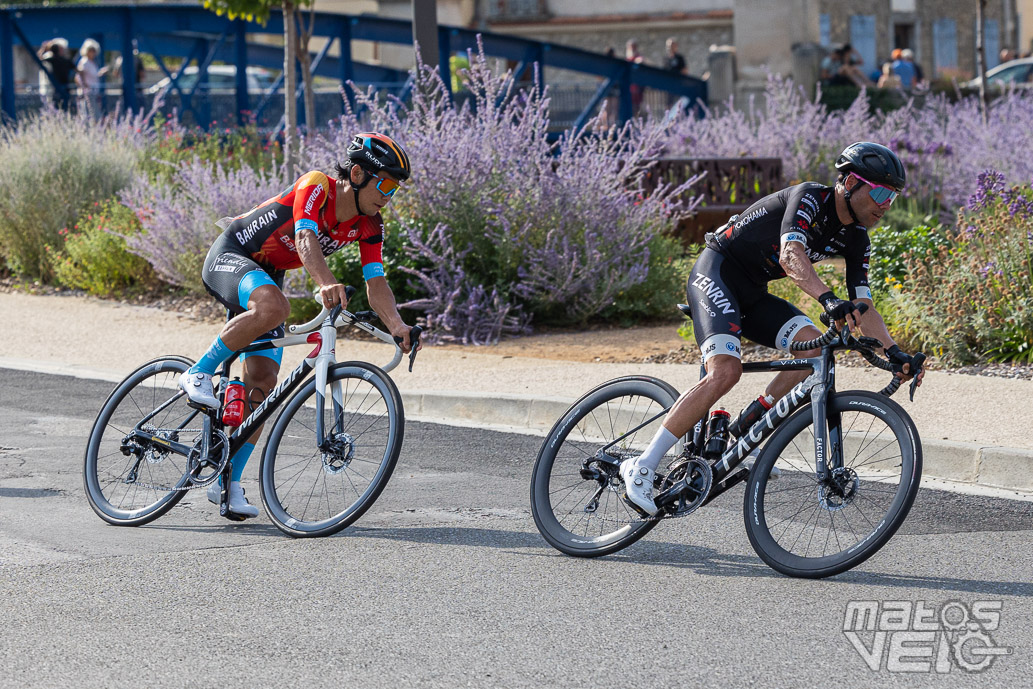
(836,308)
(898,358)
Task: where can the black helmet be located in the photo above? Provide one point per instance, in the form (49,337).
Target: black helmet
(873,162)
(374,152)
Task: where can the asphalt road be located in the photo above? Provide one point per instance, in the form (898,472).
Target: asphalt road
(445,582)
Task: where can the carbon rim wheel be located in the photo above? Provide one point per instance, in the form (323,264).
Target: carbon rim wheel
(803,527)
(130,482)
(313,491)
(576,499)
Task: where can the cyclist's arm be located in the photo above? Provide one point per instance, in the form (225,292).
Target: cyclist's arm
(796,233)
(382,299)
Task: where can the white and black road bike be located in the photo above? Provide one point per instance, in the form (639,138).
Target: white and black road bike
(328,456)
(835,479)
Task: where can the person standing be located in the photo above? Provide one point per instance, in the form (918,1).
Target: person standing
(674,62)
(54,54)
(88,76)
(631,54)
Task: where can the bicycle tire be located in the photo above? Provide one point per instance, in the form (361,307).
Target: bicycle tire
(859,414)
(292,460)
(106,468)
(560,458)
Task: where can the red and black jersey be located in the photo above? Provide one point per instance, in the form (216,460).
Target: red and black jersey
(268,232)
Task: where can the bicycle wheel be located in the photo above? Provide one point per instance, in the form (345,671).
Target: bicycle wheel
(131,480)
(313,491)
(804,527)
(576,492)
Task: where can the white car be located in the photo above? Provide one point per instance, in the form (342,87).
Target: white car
(221,79)
(1015,73)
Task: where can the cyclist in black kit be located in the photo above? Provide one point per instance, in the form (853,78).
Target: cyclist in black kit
(781,235)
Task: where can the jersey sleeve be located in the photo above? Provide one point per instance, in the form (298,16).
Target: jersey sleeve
(857,266)
(371,248)
(798,222)
(310,194)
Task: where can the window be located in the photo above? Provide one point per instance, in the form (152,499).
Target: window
(945,44)
(862,37)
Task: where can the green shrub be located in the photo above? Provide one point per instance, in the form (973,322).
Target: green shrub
(231,148)
(972,300)
(94,259)
(54,165)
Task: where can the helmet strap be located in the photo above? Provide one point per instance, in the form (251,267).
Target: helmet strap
(356,187)
(846,197)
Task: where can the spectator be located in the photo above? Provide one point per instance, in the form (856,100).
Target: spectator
(88,77)
(919,83)
(631,54)
(831,66)
(889,78)
(675,62)
(1007,55)
(842,68)
(608,110)
(905,70)
(54,55)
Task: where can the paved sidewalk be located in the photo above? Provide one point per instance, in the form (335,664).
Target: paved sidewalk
(975,430)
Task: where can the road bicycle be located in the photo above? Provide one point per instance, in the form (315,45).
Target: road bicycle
(324,464)
(835,479)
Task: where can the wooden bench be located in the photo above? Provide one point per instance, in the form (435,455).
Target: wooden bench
(730,186)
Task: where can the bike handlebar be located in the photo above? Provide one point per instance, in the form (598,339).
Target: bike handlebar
(361,320)
(865,346)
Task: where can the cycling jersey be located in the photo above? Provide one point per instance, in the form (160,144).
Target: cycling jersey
(805,213)
(268,232)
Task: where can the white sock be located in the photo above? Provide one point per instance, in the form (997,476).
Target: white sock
(663,441)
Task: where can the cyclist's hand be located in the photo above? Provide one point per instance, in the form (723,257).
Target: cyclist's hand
(902,363)
(332,295)
(839,310)
(401,335)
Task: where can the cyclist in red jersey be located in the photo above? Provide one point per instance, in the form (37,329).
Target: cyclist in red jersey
(244,270)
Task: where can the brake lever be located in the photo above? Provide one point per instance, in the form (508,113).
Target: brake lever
(414,343)
(916,367)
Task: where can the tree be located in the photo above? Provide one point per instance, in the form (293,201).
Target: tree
(981,55)
(258,11)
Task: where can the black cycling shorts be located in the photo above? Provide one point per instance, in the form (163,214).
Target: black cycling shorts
(727,305)
(230,275)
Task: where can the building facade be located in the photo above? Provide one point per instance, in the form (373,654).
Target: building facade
(942,33)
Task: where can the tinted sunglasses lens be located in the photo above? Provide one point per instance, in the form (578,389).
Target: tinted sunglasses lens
(882,195)
(387,187)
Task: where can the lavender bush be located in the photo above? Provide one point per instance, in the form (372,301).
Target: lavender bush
(54,165)
(498,224)
(943,144)
(178,220)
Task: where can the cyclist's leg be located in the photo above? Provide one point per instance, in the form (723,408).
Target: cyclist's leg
(774,322)
(714,288)
(248,291)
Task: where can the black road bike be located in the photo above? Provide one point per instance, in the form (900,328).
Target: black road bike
(328,456)
(835,479)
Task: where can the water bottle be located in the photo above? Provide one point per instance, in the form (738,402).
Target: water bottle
(233,407)
(748,416)
(717,434)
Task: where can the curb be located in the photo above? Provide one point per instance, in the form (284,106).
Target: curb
(963,465)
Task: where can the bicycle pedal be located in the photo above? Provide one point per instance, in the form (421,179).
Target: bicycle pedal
(638,510)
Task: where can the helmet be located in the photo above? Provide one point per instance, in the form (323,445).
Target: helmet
(375,152)
(873,162)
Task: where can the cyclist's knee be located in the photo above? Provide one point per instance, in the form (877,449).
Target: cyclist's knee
(261,373)
(806,333)
(723,372)
(270,305)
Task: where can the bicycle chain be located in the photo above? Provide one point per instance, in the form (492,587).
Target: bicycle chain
(195,484)
(660,516)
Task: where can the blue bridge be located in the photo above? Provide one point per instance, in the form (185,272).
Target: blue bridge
(189,34)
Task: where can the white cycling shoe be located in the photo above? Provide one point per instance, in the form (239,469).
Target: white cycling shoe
(198,387)
(638,482)
(238,502)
